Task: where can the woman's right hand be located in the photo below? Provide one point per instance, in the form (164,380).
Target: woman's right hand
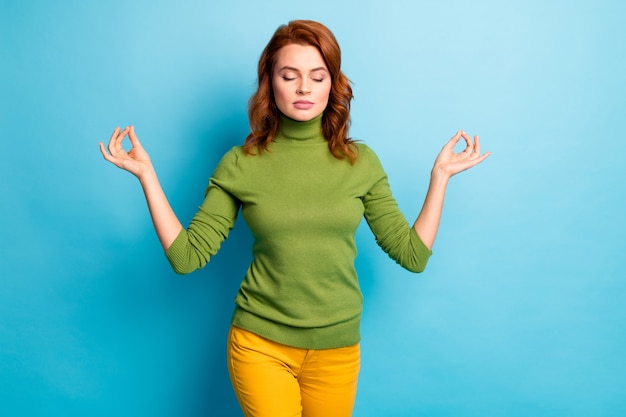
(136,160)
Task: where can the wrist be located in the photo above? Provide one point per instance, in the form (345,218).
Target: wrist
(438,176)
(147,176)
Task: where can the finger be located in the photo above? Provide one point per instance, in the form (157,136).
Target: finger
(111,144)
(134,140)
(115,146)
(469,163)
(476,146)
(453,140)
(113,135)
(469,146)
(107,156)
(479,159)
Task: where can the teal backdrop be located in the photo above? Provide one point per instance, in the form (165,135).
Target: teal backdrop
(522,309)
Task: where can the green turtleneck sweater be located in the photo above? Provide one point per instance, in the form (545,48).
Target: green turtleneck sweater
(303,207)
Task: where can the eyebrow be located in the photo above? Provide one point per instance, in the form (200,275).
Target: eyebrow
(288,68)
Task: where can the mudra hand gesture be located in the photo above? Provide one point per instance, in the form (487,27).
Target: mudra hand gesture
(449,163)
(136,160)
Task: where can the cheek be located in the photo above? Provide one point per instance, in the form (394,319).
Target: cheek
(280,102)
(326,93)
(280,94)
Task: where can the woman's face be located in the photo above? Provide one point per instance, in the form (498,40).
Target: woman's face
(301,82)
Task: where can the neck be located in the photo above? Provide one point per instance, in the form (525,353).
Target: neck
(301,131)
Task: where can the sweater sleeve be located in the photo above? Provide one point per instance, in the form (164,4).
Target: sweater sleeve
(193,247)
(391,229)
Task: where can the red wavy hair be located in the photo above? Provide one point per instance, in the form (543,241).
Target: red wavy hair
(264,115)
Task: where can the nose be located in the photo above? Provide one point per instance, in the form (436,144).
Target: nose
(304,87)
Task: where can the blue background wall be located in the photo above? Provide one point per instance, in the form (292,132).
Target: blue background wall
(521,311)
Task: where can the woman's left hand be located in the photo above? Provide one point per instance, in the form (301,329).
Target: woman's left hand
(446,165)
(449,163)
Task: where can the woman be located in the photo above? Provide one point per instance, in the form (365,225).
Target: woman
(303,188)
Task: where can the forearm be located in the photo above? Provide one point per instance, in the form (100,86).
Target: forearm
(427,223)
(166,224)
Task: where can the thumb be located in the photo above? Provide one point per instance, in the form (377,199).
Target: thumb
(454,140)
(134,140)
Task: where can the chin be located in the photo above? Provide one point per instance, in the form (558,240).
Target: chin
(303,116)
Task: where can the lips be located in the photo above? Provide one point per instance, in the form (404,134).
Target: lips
(302,105)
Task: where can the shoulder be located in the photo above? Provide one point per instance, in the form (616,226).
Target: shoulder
(366,155)
(233,154)
(229,162)
(237,162)
(362,147)
(367,165)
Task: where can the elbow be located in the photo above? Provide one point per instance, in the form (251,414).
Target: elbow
(181,270)
(416,262)
(415,265)
(417,268)
(185,260)
(186,265)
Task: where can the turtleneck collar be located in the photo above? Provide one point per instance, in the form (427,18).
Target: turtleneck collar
(309,131)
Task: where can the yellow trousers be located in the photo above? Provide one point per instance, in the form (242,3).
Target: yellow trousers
(274,380)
